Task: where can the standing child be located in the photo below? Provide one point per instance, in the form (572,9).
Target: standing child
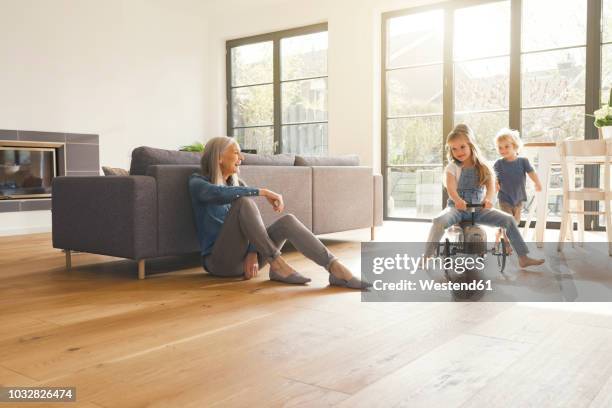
(469,179)
(510,170)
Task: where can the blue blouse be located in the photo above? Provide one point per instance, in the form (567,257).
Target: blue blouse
(211,203)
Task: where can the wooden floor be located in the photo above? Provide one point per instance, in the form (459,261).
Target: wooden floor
(182,338)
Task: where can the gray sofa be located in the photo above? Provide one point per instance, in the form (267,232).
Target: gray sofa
(148,214)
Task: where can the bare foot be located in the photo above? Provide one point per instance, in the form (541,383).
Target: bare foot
(525,261)
(280,266)
(339,270)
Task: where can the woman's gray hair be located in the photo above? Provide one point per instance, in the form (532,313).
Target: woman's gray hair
(210,161)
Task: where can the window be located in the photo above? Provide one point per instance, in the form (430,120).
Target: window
(277,91)
(414,80)
(491,64)
(553,68)
(481,70)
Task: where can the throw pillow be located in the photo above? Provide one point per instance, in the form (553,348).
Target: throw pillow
(114,171)
(347,160)
(143,157)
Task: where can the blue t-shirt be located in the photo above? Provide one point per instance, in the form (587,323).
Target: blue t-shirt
(511,177)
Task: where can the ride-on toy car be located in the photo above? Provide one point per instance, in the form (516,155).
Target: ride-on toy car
(468,239)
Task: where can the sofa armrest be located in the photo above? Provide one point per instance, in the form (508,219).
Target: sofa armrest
(342,198)
(176,230)
(114,216)
(378,199)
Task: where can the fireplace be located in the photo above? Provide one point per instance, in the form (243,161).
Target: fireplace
(27,171)
(29,160)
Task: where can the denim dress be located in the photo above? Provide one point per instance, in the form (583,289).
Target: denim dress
(468,188)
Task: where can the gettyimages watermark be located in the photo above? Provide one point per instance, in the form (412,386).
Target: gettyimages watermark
(401,272)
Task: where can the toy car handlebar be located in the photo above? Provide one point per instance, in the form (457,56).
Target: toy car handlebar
(474,205)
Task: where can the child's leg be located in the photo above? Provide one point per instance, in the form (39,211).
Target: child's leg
(507,208)
(448,217)
(516,211)
(498,218)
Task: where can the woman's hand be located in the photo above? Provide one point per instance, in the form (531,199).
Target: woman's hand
(250,266)
(461,205)
(275,199)
(487,203)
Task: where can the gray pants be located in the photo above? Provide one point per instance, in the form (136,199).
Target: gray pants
(243,225)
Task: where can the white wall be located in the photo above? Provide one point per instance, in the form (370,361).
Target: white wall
(354,29)
(152,72)
(132,71)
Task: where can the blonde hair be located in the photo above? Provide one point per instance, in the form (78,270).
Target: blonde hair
(210,161)
(463,130)
(509,135)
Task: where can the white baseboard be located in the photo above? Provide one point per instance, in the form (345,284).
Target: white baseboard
(25,222)
(25,230)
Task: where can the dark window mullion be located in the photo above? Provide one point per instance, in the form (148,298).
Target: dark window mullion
(316,122)
(253,126)
(593,86)
(593,65)
(565,105)
(514,107)
(383,111)
(228,89)
(543,50)
(448,95)
(250,85)
(303,79)
(276,75)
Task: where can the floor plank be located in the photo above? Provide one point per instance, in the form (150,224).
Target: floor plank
(446,376)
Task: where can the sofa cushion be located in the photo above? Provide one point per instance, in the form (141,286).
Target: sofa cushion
(114,171)
(283,159)
(348,160)
(143,157)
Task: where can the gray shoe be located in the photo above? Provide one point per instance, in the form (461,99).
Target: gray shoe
(352,283)
(294,279)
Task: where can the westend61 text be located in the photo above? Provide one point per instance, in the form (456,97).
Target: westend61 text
(431,285)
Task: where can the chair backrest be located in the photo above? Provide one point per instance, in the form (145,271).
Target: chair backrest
(574,152)
(584,148)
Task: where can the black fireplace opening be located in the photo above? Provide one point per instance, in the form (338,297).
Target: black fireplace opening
(27,172)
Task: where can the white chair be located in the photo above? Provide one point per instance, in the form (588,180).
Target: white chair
(572,153)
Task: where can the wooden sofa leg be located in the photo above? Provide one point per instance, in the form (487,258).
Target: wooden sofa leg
(141,269)
(372,233)
(68,260)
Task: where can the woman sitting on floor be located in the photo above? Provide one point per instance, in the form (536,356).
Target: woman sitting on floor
(232,235)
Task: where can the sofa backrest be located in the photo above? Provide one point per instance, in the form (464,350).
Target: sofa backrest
(175,220)
(143,157)
(294,183)
(283,159)
(313,161)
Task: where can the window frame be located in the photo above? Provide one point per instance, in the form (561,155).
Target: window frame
(276,38)
(592,81)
